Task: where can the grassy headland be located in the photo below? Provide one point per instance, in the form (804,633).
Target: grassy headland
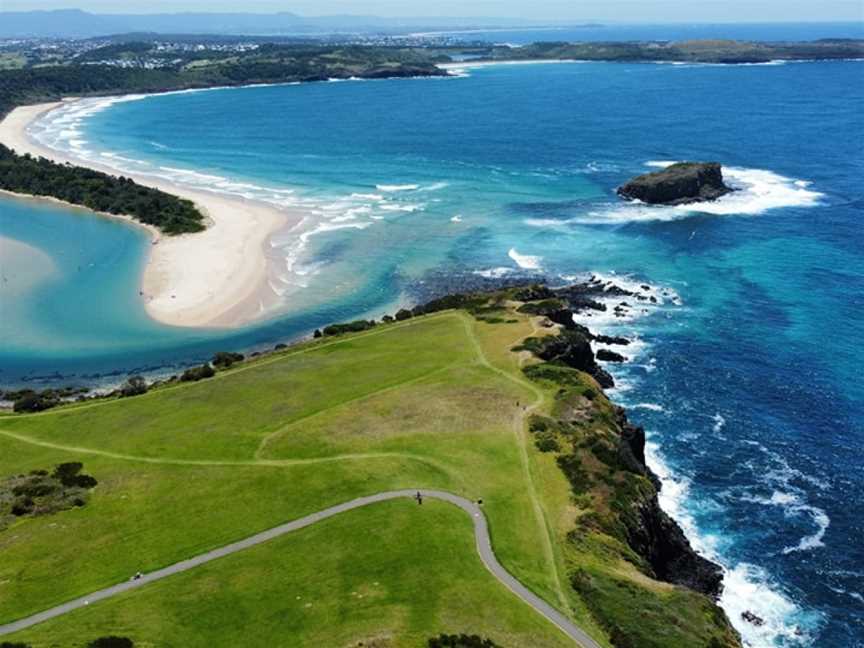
(435,401)
(691,51)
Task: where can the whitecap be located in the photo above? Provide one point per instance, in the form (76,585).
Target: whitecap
(719,422)
(757,191)
(394,188)
(456,219)
(525,261)
(747,587)
(654,407)
(402,208)
(494,273)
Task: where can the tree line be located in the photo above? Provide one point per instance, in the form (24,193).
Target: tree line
(101,192)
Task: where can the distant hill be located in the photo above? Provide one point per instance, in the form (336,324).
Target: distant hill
(74,23)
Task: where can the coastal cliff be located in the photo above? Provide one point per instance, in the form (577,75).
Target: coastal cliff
(622,540)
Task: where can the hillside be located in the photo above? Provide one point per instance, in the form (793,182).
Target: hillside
(439,401)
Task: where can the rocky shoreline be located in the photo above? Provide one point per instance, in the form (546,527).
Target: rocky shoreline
(650,531)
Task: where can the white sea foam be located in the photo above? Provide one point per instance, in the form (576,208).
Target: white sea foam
(525,261)
(394,207)
(456,219)
(747,588)
(368,196)
(394,188)
(435,186)
(794,505)
(757,191)
(719,422)
(494,273)
(654,407)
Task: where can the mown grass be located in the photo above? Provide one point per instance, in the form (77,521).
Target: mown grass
(417,404)
(395,573)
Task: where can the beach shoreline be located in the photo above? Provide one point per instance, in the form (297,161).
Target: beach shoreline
(215,278)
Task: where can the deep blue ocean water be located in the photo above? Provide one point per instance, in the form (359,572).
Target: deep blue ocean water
(746,376)
(664,32)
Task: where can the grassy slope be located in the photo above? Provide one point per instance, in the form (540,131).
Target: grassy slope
(411,405)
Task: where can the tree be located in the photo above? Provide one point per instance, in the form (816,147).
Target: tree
(135,386)
(198,373)
(33,402)
(224,359)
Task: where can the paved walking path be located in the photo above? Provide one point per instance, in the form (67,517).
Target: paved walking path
(481,534)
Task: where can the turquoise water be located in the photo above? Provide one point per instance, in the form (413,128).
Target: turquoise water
(746,376)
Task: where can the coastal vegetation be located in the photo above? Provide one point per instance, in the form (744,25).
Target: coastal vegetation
(98,191)
(39,492)
(434,401)
(270,63)
(690,51)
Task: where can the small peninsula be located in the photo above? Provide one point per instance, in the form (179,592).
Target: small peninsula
(98,191)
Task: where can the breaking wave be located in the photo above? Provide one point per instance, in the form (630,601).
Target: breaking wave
(525,261)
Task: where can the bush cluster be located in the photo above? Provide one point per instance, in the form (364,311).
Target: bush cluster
(134,386)
(40,492)
(224,359)
(29,400)
(195,374)
(461,641)
(349,327)
(111,641)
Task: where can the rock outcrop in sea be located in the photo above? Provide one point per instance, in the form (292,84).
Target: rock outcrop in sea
(678,184)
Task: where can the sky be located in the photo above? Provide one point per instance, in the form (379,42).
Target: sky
(624,11)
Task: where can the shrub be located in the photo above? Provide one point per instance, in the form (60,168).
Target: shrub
(23,506)
(280,346)
(576,475)
(69,474)
(349,327)
(533,293)
(111,641)
(135,386)
(33,402)
(461,641)
(66,473)
(403,314)
(317,333)
(13,644)
(195,374)
(545,307)
(224,359)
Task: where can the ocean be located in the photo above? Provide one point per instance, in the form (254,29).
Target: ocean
(745,373)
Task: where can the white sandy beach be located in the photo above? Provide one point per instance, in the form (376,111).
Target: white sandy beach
(217,277)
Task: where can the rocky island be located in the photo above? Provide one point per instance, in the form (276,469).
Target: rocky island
(678,184)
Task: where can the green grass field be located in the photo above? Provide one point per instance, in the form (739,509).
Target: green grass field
(431,402)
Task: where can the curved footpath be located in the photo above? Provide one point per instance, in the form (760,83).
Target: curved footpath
(481,535)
